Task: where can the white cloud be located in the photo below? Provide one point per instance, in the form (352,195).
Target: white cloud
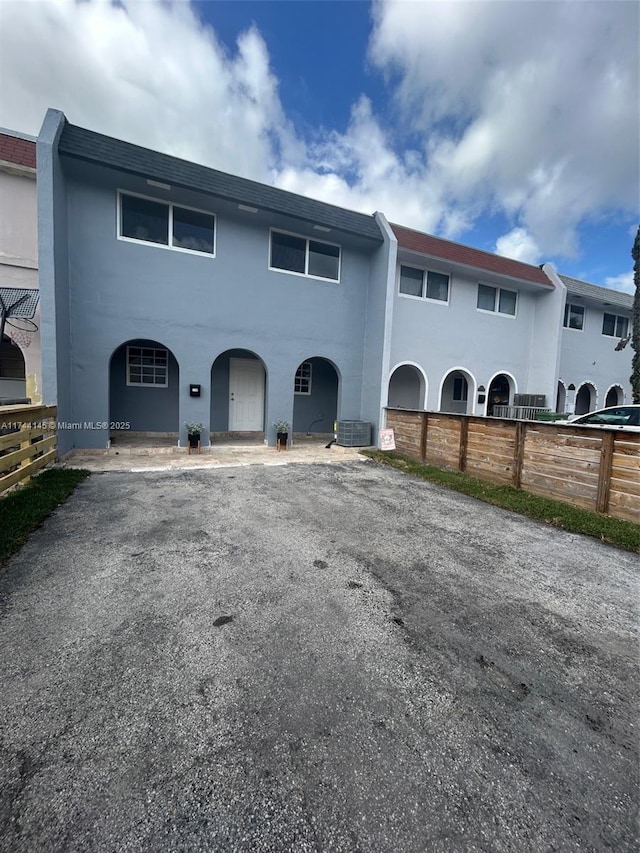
(520,245)
(624,281)
(533,105)
(146,72)
(523,109)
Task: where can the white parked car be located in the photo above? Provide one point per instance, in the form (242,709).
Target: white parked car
(615,417)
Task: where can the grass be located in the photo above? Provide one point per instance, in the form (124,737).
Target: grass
(624,534)
(24,510)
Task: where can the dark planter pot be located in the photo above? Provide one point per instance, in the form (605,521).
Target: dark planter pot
(282,437)
(194,439)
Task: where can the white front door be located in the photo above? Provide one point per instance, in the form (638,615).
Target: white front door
(246,394)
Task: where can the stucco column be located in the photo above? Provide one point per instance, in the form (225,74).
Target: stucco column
(194,409)
(279,402)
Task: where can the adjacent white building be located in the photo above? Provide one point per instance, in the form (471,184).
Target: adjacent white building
(20,363)
(595,368)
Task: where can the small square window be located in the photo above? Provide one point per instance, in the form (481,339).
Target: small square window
(302,382)
(143,219)
(324,260)
(507,302)
(438,286)
(411,281)
(147,366)
(288,252)
(193,230)
(622,327)
(486,297)
(609,324)
(573,316)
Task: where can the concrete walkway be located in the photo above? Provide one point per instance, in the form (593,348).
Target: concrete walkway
(148,457)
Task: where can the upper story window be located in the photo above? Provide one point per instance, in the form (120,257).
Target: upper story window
(615,326)
(573,316)
(497,299)
(304,256)
(166,224)
(147,366)
(424,283)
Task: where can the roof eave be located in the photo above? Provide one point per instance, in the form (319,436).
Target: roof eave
(544,286)
(370,234)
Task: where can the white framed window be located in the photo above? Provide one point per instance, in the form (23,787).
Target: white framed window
(425,284)
(304,256)
(148,366)
(302,382)
(147,220)
(615,326)
(498,300)
(573,317)
(460,389)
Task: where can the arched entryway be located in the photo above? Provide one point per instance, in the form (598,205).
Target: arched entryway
(315,396)
(615,396)
(561,398)
(144,387)
(13,383)
(238,393)
(501,391)
(457,392)
(585,399)
(407,387)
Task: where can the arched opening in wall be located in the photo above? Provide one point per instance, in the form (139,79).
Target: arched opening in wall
(144,381)
(406,388)
(13,384)
(457,393)
(501,392)
(585,399)
(238,393)
(615,396)
(561,398)
(315,397)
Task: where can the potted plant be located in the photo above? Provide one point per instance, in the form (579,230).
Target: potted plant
(193,433)
(282,433)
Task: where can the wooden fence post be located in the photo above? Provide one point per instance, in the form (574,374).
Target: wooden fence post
(423,438)
(518,452)
(26,442)
(604,474)
(464,439)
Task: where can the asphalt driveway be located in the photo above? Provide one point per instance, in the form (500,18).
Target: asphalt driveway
(314,658)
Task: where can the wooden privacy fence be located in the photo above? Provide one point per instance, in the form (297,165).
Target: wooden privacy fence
(598,469)
(27,442)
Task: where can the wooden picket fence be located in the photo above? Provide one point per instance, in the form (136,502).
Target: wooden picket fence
(27,442)
(597,469)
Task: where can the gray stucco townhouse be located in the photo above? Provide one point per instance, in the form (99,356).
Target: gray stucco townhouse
(160,278)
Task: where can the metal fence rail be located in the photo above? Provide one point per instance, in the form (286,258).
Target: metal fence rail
(518,413)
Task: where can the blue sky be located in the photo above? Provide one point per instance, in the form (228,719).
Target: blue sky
(510,126)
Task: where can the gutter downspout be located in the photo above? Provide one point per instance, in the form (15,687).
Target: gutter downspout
(391,241)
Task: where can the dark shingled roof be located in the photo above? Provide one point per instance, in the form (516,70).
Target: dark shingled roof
(446,250)
(104,150)
(601,294)
(14,149)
